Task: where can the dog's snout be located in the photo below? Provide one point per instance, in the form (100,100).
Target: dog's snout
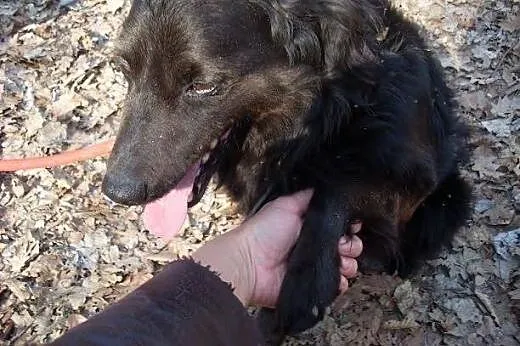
(125,189)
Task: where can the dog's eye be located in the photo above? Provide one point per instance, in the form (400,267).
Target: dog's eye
(201,89)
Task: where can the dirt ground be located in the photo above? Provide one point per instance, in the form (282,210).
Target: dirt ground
(66,252)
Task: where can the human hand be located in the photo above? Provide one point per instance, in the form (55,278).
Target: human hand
(253,257)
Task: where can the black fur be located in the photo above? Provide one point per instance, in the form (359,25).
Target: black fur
(339,95)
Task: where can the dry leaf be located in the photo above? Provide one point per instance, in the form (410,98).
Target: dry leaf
(33,123)
(21,252)
(75,319)
(506,105)
(500,215)
(500,127)
(465,309)
(115,5)
(475,100)
(18,288)
(66,104)
(404,324)
(485,163)
(511,23)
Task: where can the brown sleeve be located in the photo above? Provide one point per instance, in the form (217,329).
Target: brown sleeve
(185,304)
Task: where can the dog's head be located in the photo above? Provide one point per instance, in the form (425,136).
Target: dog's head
(201,72)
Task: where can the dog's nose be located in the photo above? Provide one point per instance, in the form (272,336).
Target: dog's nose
(124,189)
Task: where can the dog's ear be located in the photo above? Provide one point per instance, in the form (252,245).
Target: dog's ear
(297,33)
(327,33)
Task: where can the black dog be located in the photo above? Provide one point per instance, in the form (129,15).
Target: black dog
(275,96)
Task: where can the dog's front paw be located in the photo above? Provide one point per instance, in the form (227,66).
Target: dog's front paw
(308,289)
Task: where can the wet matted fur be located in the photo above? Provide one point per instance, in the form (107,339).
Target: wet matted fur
(339,95)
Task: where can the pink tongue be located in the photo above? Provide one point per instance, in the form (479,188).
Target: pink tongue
(165,217)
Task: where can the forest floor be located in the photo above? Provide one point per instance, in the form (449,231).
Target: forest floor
(66,253)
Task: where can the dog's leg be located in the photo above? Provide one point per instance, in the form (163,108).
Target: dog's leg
(434,223)
(312,280)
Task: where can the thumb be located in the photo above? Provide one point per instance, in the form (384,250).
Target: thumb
(297,203)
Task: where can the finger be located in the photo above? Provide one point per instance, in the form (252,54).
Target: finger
(349,267)
(343,284)
(355,226)
(296,203)
(350,248)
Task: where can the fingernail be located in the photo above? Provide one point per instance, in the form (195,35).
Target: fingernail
(355,227)
(342,241)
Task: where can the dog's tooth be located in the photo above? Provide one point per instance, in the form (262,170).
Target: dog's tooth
(315,311)
(190,197)
(225,135)
(205,158)
(213,144)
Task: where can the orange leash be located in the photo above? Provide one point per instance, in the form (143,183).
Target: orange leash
(61,159)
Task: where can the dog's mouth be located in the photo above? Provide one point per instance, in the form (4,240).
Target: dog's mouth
(207,167)
(165,216)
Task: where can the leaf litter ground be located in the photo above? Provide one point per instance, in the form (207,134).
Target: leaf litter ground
(66,253)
